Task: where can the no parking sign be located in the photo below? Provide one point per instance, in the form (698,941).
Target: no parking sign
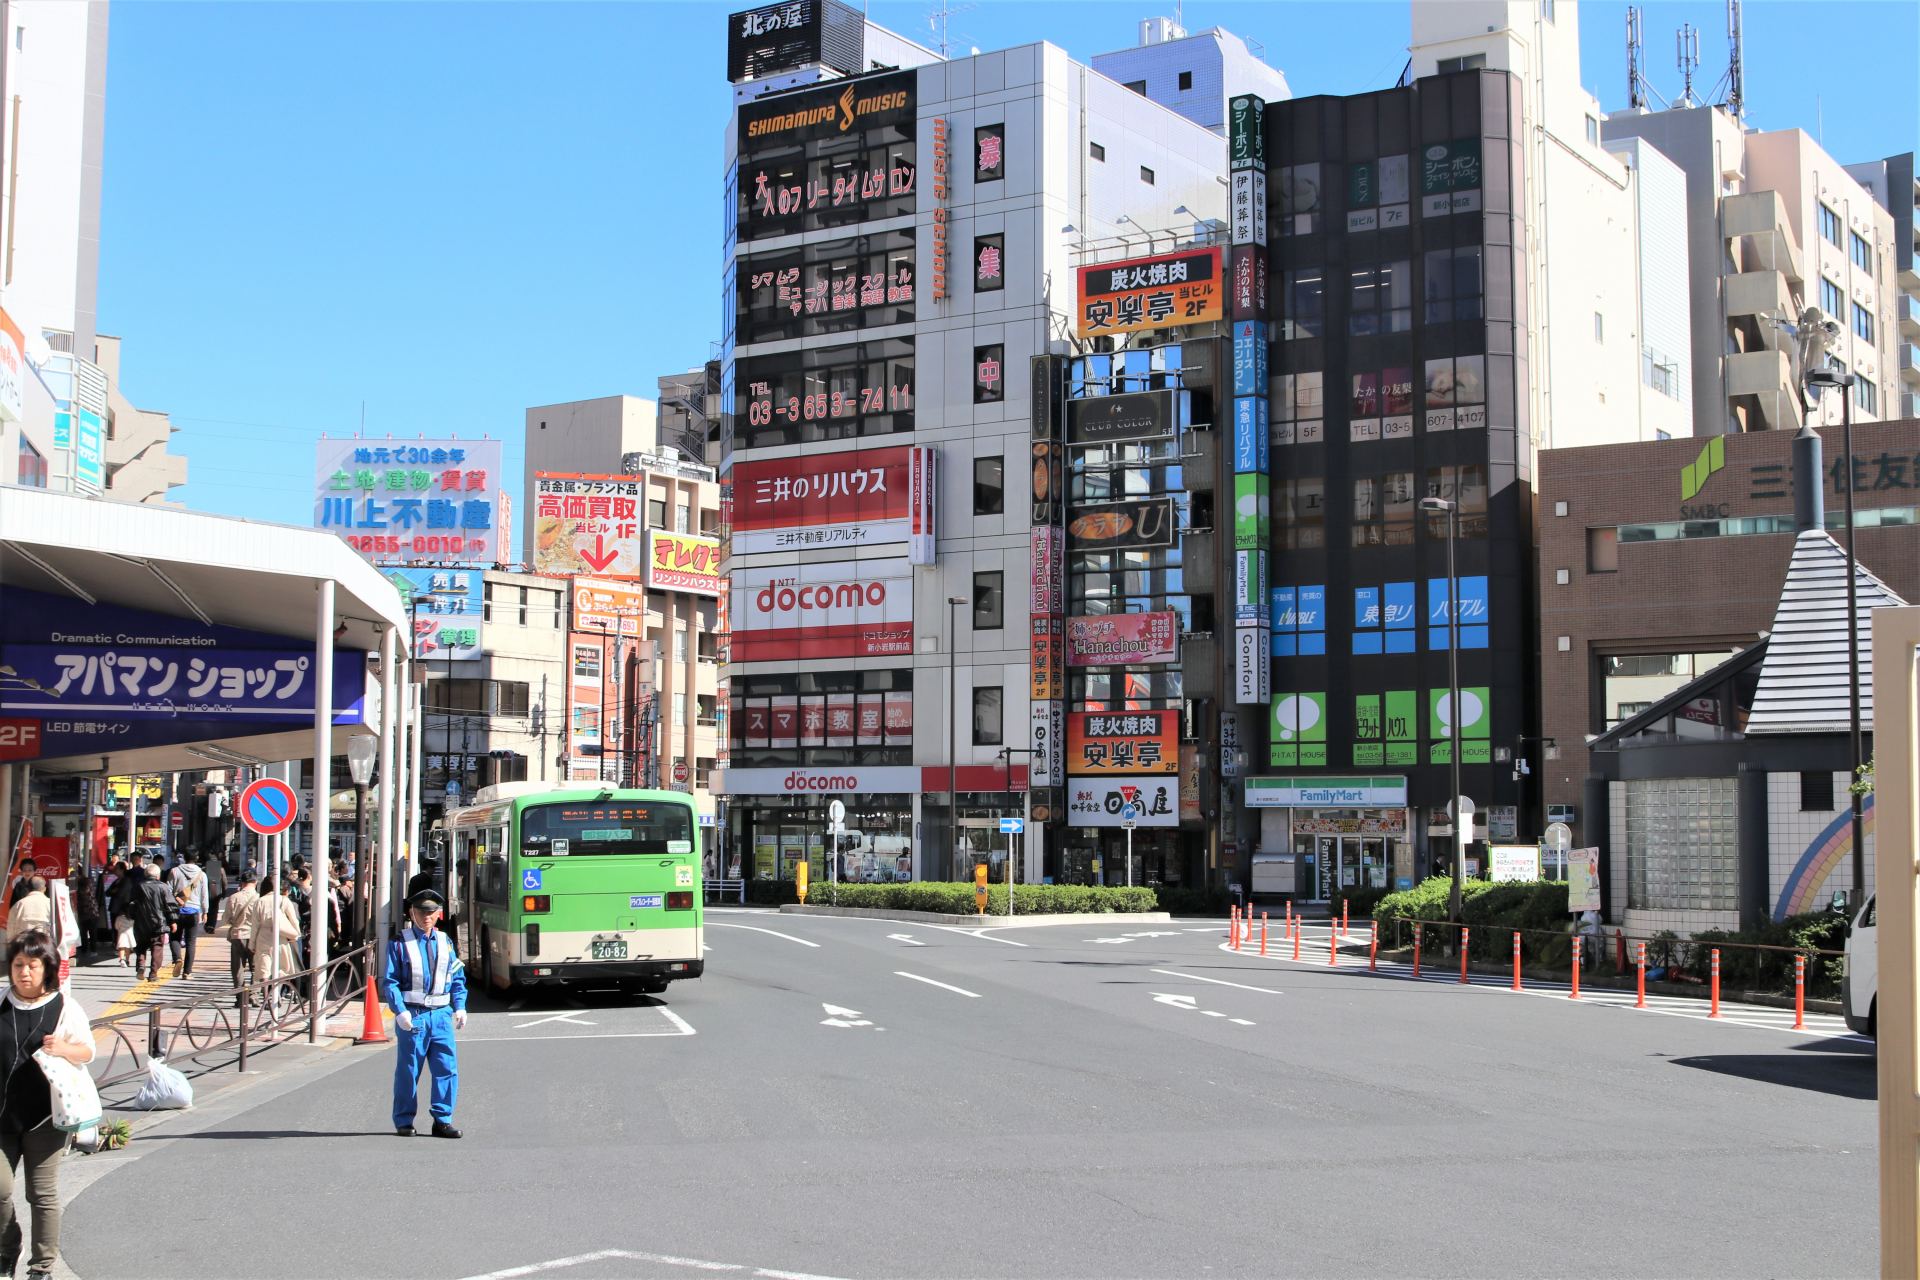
(268,807)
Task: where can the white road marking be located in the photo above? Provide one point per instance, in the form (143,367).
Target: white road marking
(1212,1014)
(679,1024)
(1240,1021)
(839,1017)
(1219,982)
(1213,928)
(1178,1002)
(907,938)
(557,1017)
(631,1255)
(979,933)
(961,991)
(715,924)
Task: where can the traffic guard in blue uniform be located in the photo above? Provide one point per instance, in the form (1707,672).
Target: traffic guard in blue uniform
(426,987)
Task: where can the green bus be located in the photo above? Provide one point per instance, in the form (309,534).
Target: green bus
(585,885)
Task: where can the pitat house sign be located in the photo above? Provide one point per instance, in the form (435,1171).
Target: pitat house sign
(93,680)
(1326,793)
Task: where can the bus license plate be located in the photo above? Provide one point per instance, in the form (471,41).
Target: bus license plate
(615,950)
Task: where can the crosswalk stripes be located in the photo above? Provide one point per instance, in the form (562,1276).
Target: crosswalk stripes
(1353,957)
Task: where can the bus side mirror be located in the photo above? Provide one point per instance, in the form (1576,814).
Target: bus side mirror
(1840,903)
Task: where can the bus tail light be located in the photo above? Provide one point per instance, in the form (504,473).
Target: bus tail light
(533,939)
(682,900)
(536,902)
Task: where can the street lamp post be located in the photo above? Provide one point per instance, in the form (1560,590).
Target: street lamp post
(1828,376)
(1462,833)
(361,750)
(953,739)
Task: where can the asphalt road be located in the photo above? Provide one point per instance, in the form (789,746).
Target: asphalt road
(856,1098)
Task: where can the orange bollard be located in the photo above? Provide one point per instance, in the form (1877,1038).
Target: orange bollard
(1416,951)
(1714,999)
(1263,935)
(373,1028)
(1236,932)
(1233,921)
(1333,943)
(1575,993)
(1373,949)
(1463,953)
(1296,937)
(1640,962)
(1516,959)
(1799,993)
(1343,918)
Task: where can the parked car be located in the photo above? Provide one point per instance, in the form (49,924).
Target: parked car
(1862,1004)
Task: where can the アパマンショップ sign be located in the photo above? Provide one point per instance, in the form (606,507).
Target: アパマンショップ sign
(852,498)
(1144,294)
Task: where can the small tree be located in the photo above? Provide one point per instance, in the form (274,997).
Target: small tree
(1862,784)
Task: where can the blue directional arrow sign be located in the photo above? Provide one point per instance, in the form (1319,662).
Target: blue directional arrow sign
(1012,826)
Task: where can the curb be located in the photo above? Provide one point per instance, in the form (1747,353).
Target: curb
(982,922)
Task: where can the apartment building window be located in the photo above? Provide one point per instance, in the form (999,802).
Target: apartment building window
(987,705)
(679,709)
(1186,81)
(1599,327)
(1603,549)
(1866,396)
(1593,131)
(683,517)
(1381,299)
(1862,322)
(990,373)
(1466,62)
(679,644)
(1546,10)
(989,263)
(1832,300)
(656,513)
(1146,175)
(702,772)
(1830,227)
(989,486)
(1860,251)
(1096,151)
(989,601)
(1138,86)
(1452,286)
(512,698)
(706,709)
(523,606)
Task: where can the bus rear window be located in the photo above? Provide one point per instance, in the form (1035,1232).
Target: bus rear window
(580,830)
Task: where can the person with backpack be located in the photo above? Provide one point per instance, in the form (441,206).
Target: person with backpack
(152,910)
(188,885)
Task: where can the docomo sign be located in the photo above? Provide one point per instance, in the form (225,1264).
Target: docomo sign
(899,779)
(860,609)
(851,498)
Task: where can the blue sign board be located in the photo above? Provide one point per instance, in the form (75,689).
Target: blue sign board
(89,449)
(530,878)
(445,606)
(63,429)
(102,678)
(1250,358)
(1383,619)
(642,901)
(1250,439)
(1299,621)
(1474,613)
(1012,826)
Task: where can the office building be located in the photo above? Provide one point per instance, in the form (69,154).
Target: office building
(1894,185)
(1193,73)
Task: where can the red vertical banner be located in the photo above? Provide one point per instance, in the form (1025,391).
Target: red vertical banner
(785,722)
(920,515)
(813,721)
(899,719)
(841,716)
(870,728)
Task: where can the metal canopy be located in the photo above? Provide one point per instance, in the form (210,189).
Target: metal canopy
(218,570)
(1803,679)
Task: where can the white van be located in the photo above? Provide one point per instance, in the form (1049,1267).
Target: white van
(1863,974)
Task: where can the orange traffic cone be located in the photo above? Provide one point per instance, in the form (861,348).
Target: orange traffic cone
(374,1029)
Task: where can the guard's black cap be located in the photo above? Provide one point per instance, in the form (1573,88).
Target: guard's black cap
(427,898)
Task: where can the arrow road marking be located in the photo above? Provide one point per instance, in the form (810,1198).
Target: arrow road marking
(1178,1002)
(716,924)
(962,991)
(838,1017)
(1219,982)
(906,938)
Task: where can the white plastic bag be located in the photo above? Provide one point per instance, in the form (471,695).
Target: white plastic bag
(165,1089)
(76,1103)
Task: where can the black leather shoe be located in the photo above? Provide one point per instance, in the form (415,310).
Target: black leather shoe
(403,1131)
(441,1129)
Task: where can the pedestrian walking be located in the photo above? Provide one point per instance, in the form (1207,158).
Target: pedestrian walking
(39,1016)
(268,907)
(32,911)
(426,987)
(117,916)
(219,883)
(189,887)
(22,882)
(152,911)
(86,906)
(234,913)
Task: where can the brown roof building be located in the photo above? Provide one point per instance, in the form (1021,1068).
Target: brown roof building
(1658,561)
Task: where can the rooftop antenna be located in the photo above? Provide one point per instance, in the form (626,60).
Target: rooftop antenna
(937,22)
(1686,45)
(1636,60)
(1736,70)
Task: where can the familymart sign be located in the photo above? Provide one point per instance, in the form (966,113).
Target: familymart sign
(1326,793)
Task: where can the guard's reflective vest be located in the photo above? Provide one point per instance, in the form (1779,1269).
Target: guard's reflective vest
(417,986)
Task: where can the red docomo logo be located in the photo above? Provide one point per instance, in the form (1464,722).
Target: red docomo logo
(796,783)
(19,739)
(781,598)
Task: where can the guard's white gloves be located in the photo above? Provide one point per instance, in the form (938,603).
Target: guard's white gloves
(459,1019)
(403,1020)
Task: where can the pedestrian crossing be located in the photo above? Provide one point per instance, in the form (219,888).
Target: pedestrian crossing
(1445,972)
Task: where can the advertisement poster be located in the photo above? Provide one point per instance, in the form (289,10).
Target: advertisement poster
(446,606)
(420,500)
(850,499)
(1476,723)
(1047,546)
(1252,665)
(1132,415)
(587,524)
(1514,862)
(1251,506)
(1583,880)
(1048,723)
(1125,742)
(1047,658)
(1456,393)
(1299,732)
(1123,638)
(1190,783)
(683,562)
(845,609)
(1144,294)
(1101,802)
(608,607)
(1121,526)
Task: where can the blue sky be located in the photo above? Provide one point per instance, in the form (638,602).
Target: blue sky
(449,212)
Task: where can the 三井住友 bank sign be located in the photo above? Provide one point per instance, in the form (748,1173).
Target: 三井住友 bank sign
(1321,793)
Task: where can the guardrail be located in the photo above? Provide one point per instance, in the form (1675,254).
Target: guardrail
(238,1018)
(721,888)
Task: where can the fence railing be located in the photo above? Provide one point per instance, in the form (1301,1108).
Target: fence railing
(242,1018)
(1744,966)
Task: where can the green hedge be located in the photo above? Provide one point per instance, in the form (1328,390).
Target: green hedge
(1491,911)
(958,899)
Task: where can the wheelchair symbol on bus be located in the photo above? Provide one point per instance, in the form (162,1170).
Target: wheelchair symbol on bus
(530,878)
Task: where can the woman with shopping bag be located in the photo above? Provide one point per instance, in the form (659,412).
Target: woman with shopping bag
(36,1018)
